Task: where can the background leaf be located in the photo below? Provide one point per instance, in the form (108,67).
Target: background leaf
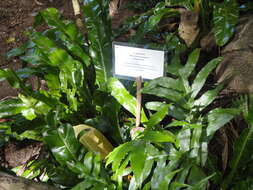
(219,117)
(225,17)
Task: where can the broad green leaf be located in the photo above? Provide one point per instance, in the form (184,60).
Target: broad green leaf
(163,174)
(154,106)
(184,137)
(203,152)
(87,161)
(53,18)
(31,134)
(118,154)
(158,116)
(207,98)
(133,184)
(29,113)
(175,47)
(149,162)
(159,173)
(201,77)
(181,178)
(52,81)
(96,165)
(176,112)
(110,111)
(27,72)
(11,107)
(159,136)
(62,142)
(71,72)
(225,17)
(121,171)
(218,117)
(196,142)
(60,175)
(42,41)
(147,186)
(192,60)
(187,70)
(12,78)
(177,123)
(19,50)
(74,48)
(165,82)
(34,56)
(169,94)
(137,159)
(33,106)
(119,92)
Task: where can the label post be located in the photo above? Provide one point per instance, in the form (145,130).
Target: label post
(138,101)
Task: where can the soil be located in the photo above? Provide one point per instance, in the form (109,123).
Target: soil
(15,17)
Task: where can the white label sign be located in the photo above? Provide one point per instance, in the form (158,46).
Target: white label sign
(133,62)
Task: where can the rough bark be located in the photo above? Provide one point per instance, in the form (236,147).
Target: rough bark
(9,182)
(238,58)
(237,66)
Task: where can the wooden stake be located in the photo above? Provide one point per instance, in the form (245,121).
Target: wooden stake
(138,101)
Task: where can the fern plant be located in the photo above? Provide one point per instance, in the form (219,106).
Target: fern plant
(183,141)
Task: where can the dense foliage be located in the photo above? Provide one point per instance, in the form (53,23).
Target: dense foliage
(75,86)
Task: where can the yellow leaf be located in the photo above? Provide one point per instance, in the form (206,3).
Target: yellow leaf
(93,140)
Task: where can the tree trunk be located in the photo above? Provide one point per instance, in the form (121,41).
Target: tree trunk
(9,182)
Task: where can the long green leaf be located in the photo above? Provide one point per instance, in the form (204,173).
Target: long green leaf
(137,159)
(19,50)
(158,116)
(200,79)
(219,117)
(165,82)
(207,98)
(119,92)
(163,174)
(169,94)
(192,60)
(118,154)
(159,136)
(225,17)
(187,70)
(184,137)
(154,106)
(98,25)
(11,107)
(196,142)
